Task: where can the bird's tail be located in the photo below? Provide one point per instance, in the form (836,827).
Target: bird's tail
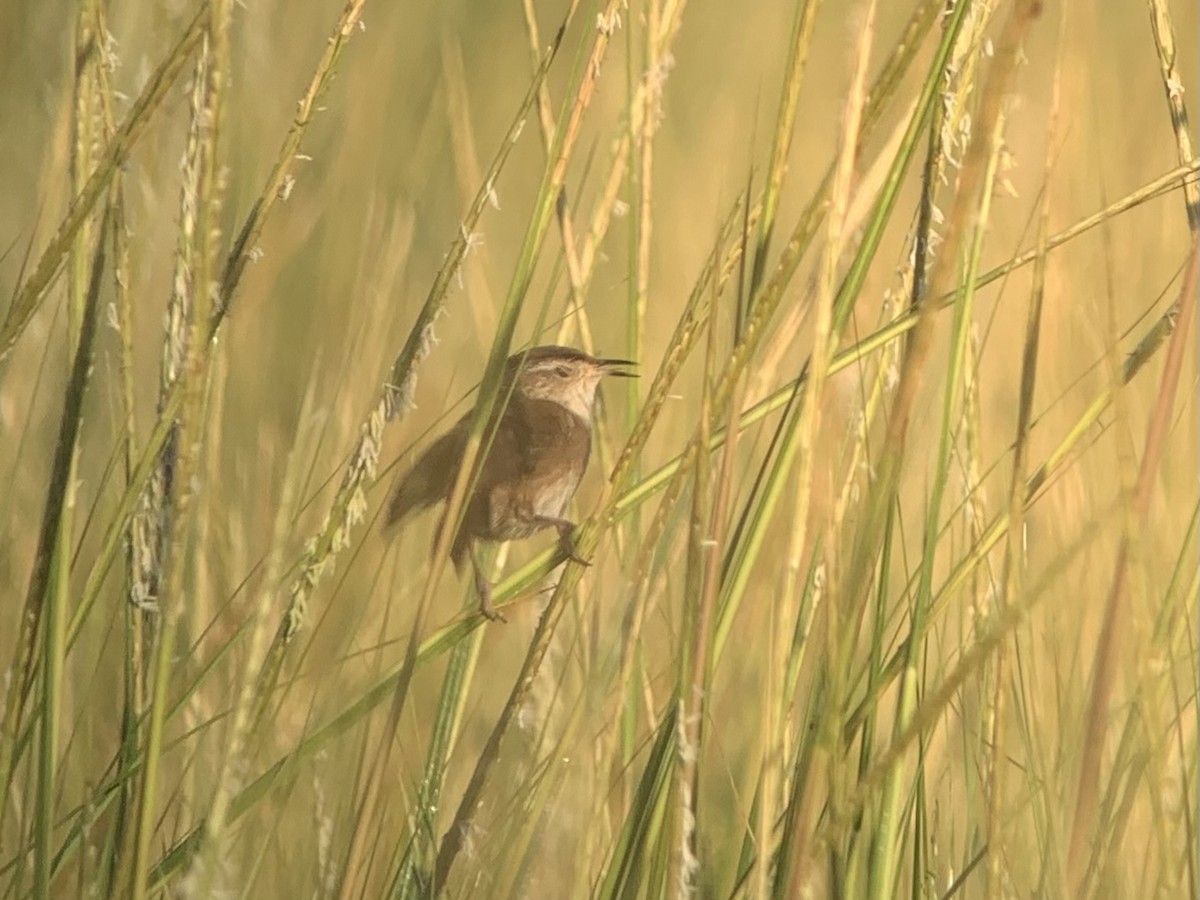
(428,481)
(415,492)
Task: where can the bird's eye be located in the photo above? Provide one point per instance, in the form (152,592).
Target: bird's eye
(562,371)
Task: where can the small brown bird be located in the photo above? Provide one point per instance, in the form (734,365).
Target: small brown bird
(539,451)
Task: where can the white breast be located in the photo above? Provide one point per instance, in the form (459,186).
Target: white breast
(552,501)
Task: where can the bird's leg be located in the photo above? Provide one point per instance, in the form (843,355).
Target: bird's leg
(484,589)
(566,540)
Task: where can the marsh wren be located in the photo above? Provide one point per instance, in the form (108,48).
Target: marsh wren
(540,442)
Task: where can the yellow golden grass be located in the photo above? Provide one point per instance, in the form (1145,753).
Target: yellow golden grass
(895,540)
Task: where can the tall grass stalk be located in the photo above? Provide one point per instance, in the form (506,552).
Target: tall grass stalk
(1016,559)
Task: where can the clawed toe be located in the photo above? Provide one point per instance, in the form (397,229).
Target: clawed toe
(490,612)
(566,538)
(566,543)
(575,557)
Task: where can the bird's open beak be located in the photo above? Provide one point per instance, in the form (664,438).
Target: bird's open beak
(614,367)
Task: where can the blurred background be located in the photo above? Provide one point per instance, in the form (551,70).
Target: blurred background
(421,100)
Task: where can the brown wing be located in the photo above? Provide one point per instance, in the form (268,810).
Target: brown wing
(555,439)
(539,451)
(506,455)
(527,443)
(432,476)
(503,464)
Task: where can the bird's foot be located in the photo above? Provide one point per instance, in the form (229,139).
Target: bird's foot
(566,538)
(484,590)
(566,543)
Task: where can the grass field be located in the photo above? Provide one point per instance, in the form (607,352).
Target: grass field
(894,541)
